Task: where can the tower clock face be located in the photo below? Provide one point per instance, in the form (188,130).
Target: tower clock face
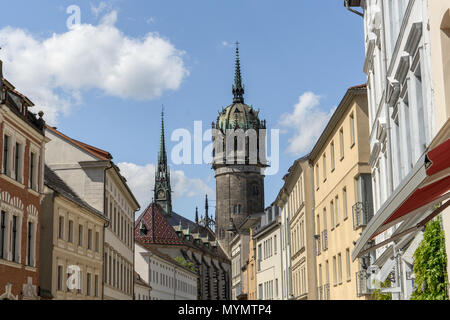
(161,194)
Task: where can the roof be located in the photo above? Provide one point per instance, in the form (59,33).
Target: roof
(96,152)
(340,110)
(139,281)
(54,182)
(161,230)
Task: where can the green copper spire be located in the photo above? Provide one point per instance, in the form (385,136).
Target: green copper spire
(238,89)
(163,190)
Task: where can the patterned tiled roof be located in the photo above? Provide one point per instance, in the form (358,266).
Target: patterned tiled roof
(159,231)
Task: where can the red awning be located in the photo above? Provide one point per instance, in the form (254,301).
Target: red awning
(427,185)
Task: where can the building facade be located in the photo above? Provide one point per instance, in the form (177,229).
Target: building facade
(269,260)
(142,290)
(72,237)
(408,88)
(296,202)
(239,266)
(22,157)
(238,162)
(168,279)
(93,176)
(342,196)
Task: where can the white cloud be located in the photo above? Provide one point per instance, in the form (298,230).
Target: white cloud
(56,71)
(307,121)
(150,20)
(141,181)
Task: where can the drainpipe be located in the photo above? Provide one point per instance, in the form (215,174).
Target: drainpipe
(106,225)
(347,5)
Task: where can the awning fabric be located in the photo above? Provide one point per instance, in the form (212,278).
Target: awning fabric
(427,184)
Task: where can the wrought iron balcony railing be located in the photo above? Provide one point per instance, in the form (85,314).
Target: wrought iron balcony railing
(324,240)
(317,237)
(361,215)
(320,293)
(326,291)
(362,285)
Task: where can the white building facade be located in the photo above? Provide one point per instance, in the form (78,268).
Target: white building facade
(168,279)
(268,256)
(404,93)
(90,173)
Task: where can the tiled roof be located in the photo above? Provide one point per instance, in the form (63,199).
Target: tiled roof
(54,182)
(96,152)
(159,231)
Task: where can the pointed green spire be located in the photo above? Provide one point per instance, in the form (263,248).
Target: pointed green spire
(163,190)
(238,89)
(162,156)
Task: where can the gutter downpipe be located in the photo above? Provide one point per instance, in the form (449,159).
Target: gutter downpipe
(106,225)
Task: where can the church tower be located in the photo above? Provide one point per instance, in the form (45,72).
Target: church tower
(239,160)
(163,191)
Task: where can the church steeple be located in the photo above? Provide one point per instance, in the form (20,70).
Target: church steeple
(238,88)
(163,190)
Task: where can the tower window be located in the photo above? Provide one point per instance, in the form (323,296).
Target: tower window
(255,190)
(237,209)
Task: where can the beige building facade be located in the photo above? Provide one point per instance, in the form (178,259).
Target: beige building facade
(296,198)
(72,244)
(342,196)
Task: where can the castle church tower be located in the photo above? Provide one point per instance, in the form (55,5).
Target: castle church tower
(239,162)
(163,190)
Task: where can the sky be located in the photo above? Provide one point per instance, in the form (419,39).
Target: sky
(101,70)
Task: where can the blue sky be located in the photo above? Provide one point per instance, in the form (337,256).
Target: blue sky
(298,58)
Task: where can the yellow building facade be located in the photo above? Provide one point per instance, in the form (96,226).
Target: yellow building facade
(342,197)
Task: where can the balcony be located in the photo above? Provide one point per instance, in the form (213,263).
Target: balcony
(326,291)
(324,240)
(317,237)
(320,293)
(362,287)
(361,215)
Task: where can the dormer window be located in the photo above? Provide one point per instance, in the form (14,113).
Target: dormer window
(143,229)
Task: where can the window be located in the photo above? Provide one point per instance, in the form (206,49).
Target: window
(18,160)
(336,202)
(14,239)
(6,154)
(88,284)
(80,235)
(237,209)
(327,271)
(2,234)
(97,242)
(89,239)
(70,239)
(340,268)
(332,214)
(352,130)
(341,139)
(344,199)
(324,167)
(30,262)
(349,271)
(334,271)
(332,156)
(317,176)
(275,244)
(60,278)
(33,167)
(61,228)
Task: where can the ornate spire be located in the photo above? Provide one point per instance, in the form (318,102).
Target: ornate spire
(162,156)
(238,89)
(196,215)
(163,191)
(206,212)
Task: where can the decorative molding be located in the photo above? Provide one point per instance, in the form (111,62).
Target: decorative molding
(374,154)
(392,92)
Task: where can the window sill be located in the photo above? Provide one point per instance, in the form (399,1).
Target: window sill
(353,144)
(332,170)
(11,180)
(342,158)
(30,268)
(12,264)
(34,192)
